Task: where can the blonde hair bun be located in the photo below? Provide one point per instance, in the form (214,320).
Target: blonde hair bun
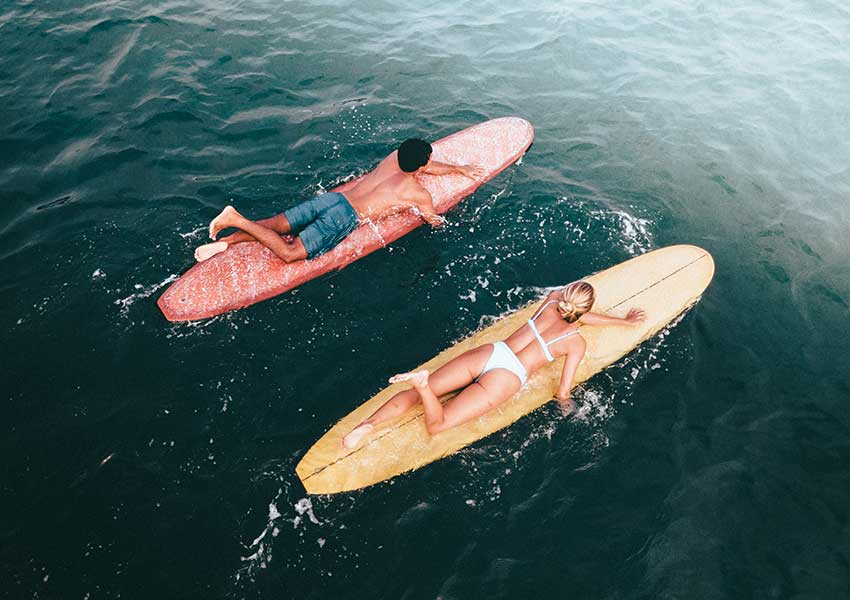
(578,298)
(567,308)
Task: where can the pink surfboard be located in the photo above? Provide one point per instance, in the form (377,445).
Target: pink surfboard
(248,273)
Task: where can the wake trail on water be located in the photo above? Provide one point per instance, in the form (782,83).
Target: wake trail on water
(142,291)
(309,531)
(299,528)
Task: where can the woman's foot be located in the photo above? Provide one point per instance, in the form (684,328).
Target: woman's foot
(206,251)
(352,440)
(419,379)
(223,221)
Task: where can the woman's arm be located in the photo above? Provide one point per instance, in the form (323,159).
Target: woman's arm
(568,373)
(634,316)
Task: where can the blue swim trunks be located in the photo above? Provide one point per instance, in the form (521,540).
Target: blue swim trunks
(322,222)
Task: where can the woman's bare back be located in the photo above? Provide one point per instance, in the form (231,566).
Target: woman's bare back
(551,325)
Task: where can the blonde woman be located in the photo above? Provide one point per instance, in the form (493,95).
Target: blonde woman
(490,374)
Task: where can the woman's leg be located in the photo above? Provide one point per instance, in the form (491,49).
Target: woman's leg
(455,374)
(475,400)
(267,237)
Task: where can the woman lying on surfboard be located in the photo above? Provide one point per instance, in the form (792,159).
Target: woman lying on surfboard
(490,374)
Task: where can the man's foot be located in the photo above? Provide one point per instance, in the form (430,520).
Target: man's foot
(206,251)
(419,379)
(222,221)
(352,440)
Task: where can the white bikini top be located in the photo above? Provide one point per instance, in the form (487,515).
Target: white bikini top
(543,344)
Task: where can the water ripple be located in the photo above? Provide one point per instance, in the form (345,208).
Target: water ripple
(127,125)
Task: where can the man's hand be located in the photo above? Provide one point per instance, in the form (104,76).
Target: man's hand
(635,316)
(433,219)
(472,171)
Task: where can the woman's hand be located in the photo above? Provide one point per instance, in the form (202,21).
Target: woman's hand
(563,398)
(565,402)
(635,316)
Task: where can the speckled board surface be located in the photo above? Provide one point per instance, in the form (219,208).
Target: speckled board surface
(248,273)
(664,283)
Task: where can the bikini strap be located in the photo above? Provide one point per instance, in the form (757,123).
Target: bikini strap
(543,345)
(562,337)
(540,310)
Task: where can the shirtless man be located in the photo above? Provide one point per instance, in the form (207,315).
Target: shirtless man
(323,222)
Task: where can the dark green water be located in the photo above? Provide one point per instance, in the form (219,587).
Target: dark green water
(714,462)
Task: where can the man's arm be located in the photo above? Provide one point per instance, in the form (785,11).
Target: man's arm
(438,168)
(424,205)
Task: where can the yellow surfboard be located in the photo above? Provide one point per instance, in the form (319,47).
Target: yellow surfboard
(663,283)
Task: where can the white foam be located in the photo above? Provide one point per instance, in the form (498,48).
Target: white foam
(145,291)
(338,181)
(305,506)
(371,224)
(199,232)
(260,549)
(630,232)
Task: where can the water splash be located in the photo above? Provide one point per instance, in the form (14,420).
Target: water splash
(195,233)
(376,230)
(142,291)
(625,230)
(260,549)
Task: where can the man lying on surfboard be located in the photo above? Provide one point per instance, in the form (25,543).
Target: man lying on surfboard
(323,222)
(490,374)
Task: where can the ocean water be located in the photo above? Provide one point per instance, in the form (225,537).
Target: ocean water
(142,459)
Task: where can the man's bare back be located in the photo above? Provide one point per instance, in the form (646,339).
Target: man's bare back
(388,189)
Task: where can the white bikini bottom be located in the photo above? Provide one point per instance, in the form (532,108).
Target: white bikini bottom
(504,358)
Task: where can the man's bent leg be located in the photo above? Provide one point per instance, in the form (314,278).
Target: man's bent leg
(268,237)
(278,223)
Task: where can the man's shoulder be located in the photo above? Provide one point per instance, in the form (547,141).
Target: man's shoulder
(390,162)
(416,192)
